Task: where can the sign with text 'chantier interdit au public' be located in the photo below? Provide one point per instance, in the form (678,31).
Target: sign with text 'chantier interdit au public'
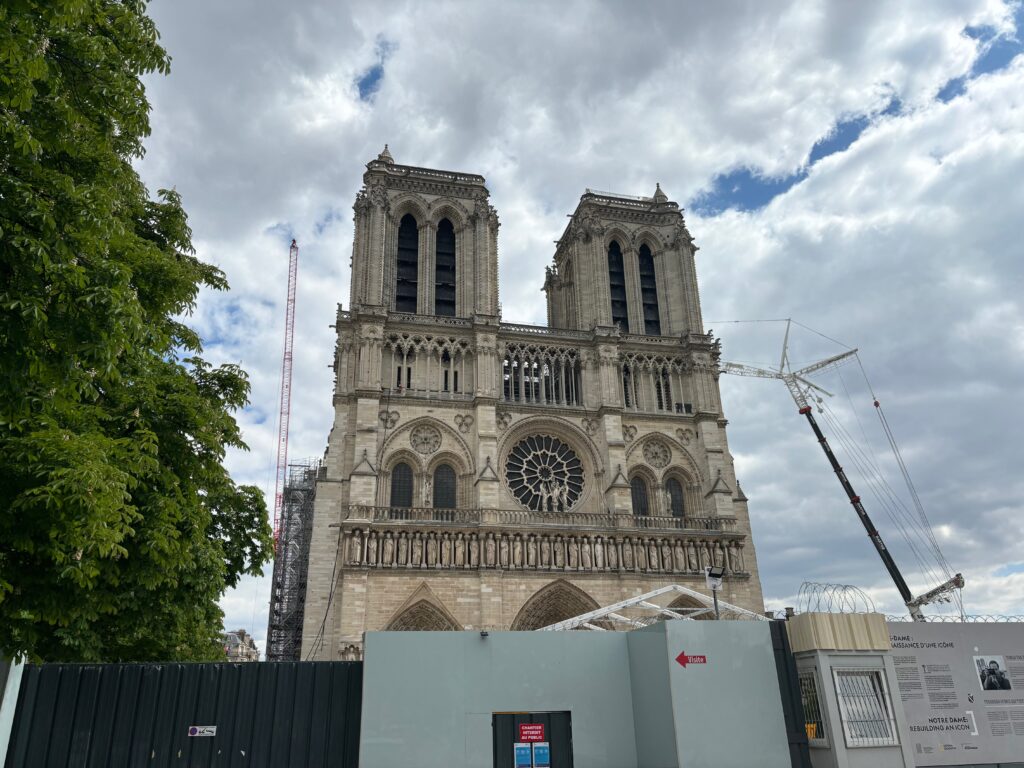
(531,732)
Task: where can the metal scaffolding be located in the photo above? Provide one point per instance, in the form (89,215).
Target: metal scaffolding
(291,563)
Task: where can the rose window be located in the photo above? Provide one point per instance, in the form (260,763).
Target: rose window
(544,474)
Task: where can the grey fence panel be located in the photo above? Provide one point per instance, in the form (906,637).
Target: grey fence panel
(266,714)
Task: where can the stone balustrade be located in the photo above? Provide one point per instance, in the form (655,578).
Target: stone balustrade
(524,518)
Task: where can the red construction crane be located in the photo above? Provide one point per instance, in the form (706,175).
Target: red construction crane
(286,391)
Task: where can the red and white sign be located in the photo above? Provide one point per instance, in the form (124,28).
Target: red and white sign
(683,659)
(531,732)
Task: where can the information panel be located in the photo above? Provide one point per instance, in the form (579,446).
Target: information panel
(962,686)
(541,754)
(523,755)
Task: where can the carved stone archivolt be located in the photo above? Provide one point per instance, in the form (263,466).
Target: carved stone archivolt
(502,550)
(425,439)
(657,453)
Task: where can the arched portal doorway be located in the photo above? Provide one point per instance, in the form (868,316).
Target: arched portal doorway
(556,602)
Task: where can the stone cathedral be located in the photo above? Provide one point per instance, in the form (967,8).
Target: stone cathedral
(489,475)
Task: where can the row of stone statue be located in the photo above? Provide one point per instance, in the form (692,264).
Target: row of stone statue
(433,549)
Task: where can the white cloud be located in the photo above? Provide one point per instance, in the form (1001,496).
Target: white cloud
(906,244)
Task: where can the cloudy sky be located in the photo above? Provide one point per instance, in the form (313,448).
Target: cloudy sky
(855,166)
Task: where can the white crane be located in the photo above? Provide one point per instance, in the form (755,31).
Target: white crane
(803,391)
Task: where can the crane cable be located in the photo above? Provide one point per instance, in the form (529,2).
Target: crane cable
(919,507)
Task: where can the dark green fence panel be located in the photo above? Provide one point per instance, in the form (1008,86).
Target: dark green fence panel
(268,715)
(789,687)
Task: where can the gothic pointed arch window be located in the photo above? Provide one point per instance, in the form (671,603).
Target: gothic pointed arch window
(444,487)
(675,497)
(617,285)
(444,270)
(401,485)
(649,292)
(407,265)
(641,498)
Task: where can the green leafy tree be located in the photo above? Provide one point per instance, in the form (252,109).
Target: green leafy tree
(119,526)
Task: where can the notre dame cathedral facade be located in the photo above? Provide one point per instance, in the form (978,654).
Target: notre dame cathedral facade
(489,475)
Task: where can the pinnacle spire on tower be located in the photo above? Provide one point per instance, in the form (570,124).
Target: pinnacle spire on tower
(659,196)
(385,156)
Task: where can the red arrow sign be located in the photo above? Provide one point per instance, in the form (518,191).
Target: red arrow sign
(683,659)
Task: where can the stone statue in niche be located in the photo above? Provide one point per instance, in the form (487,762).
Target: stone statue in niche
(474,551)
(586,559)
(403,549)
(517,551)
(428,493)
(613,554)
(574,553)
(652,554)
(559,552)
(355,549)
(691,557)
(666,555)
(599,553)
(679,555)
(389,549)
(531,551)
(627,553)
(503,551)
(489,551)
(641,555)
(446,550)
(460,551)
(431,550)
(545,552)
(739,558)
(705,556)
(371,548)
(417,551)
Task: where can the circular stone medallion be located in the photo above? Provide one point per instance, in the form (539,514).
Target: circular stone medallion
(544,474)
(657,454)
(425,439)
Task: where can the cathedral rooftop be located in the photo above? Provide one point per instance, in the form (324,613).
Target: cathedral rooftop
(385,163)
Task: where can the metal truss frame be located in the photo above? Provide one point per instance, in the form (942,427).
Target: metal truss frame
(613,617)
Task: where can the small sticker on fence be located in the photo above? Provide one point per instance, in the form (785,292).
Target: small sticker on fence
(202,730)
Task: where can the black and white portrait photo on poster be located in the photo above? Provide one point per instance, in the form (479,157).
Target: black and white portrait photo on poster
(992,673)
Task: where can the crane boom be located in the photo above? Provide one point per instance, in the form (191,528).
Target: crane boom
(873,534)
(286,391)
(799,387)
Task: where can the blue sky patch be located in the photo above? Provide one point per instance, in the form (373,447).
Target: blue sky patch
(997,51)
(368,83)
(743,190)
(1009,569)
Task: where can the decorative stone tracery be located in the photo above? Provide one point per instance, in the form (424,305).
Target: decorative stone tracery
(657,453)
(425,439)
(544,474)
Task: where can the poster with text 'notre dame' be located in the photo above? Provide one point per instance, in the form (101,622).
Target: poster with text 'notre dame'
(962,687)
